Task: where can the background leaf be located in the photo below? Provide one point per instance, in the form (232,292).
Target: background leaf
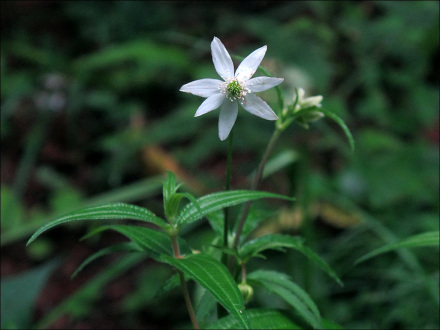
(425,239)
(19,293)
(122,247)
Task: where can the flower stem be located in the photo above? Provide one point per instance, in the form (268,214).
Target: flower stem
(189,307)
(227,187)
(255,184)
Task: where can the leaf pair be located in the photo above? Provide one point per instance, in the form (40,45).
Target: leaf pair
(278,242)
(208,272)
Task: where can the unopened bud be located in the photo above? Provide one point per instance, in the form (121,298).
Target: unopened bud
(246,291)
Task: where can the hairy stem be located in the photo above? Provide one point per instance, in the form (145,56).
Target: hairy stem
(186,296)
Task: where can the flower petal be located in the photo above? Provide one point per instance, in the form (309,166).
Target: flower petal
(222,60)
(258,107)
(250,64)
(202,87)
(226,120)
(260,84)
(312,101)
(211,103)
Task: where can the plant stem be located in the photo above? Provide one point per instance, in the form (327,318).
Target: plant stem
(191,313)
(255,183)
(227,187)
(186,296)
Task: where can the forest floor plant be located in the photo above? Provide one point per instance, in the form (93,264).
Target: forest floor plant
(222,271)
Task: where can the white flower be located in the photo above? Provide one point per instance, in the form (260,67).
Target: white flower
(234,88)
(303,103)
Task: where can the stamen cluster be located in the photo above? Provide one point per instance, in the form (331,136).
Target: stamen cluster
(234,89)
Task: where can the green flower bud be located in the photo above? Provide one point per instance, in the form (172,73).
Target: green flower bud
(246,291)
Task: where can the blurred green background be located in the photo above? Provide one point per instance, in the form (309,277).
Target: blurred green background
(91,113)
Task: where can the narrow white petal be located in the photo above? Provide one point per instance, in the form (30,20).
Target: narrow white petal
(202,87)
(222,60)
(312,101)
(226,120)
(301,94)
(260,84)
(211,103)
(250,64)
(258,107)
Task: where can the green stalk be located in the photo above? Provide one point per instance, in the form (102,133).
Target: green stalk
(228,187)
(255,183)
(189,307)
(34,142)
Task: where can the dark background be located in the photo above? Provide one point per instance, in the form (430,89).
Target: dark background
(91,113)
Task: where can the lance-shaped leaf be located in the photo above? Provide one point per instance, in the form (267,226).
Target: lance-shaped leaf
(272,241)
(281,285)
(277,242)
(104,212)
(259,318)
(154,242)
(220,200)
(426,239)
(123,247)
(342,124)
(214,277)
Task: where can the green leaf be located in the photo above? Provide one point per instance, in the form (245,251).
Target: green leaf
(220,200)
(170,284)
(254,219)
(214,277)
(154,242)
(207,309)
(279,162)
(272,241)
(342,124)
(327,324)
(332,116)
(281,285)
(104,212)
(320,263)
(260,318)
(79,303)
(278,241)
(19,294)
(425,239)
(123,247)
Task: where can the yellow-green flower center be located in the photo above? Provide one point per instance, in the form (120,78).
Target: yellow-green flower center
(234,89)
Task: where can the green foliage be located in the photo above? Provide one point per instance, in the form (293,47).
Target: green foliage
(104,212)
(17,313)
(215,278)
(258,319)
(278,242)
(216,201)
(425,239)
(89,89)
(281,285)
